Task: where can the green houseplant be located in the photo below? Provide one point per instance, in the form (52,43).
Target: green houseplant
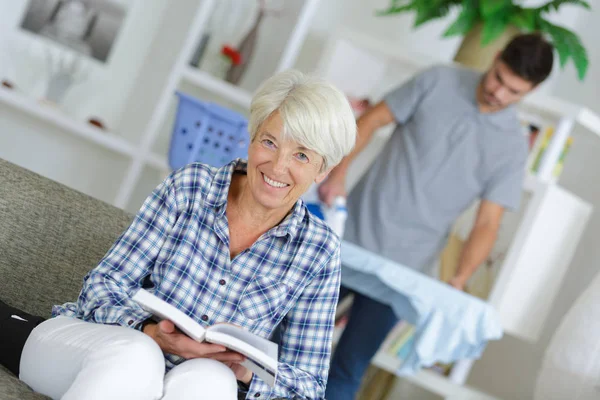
(487,25)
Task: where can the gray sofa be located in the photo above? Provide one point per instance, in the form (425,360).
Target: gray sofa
(50,236)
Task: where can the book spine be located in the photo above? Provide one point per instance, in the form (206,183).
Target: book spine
(403,337)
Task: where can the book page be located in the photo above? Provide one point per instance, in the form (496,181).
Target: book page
(262,344)
(164,310)
(261,353)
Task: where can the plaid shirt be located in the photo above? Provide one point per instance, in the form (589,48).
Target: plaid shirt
(178,245)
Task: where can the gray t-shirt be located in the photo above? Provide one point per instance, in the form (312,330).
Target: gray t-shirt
(443,155)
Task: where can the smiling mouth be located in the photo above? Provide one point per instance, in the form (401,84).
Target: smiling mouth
(273,183)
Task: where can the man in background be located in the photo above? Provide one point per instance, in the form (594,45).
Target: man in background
(457,139)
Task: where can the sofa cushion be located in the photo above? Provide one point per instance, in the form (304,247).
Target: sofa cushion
(50,236)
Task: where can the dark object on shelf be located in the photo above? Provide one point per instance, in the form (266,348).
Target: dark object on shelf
(199,52)
(97,123)
(246,49)
(7,84)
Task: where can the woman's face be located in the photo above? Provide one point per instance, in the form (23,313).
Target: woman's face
(280,171)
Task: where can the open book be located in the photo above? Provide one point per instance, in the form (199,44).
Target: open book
(261,354)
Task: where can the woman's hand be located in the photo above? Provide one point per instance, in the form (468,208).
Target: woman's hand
(172,341)
(242,373)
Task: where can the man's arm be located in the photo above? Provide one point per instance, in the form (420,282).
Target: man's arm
(398,106)
(480,243)
(373,119)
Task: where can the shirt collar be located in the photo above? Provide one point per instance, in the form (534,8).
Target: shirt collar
(499,115)
(291,222)
(220,186)
(222,181)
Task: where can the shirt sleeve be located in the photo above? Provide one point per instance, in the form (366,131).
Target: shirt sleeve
(403,101)
(107,289)
(306,340)
(505,185)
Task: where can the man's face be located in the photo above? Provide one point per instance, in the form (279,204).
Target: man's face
(501,87)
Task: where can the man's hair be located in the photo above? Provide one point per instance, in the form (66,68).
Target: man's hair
(530,56)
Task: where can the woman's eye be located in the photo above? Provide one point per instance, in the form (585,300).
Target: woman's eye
(302,157)
(268,143)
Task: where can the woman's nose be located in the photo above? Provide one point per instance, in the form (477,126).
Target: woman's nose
(281,163)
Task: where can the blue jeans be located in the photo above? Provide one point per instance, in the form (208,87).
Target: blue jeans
(369,323)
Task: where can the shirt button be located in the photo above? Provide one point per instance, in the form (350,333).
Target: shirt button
(257,395)
(130,322)
(205,317)
(222,282)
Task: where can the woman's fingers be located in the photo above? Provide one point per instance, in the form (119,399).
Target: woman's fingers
(228,357)
(189,348)
(172,341)
(166,326)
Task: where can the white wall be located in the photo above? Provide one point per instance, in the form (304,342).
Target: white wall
(359,16)
(399,28)
(569,86)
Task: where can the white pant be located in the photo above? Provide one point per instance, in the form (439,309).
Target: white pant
(69,359)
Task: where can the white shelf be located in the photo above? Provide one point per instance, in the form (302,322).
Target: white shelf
(59,119)
(158,162)
(430,380)
(561,108)
(206,81)
(531,183)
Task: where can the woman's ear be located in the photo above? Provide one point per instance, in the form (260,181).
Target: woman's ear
(322,175)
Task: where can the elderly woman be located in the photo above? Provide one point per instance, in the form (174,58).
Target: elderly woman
(225,245)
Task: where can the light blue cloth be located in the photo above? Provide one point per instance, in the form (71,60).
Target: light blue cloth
(450,325)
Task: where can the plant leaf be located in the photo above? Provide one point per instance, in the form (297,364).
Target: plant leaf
(432,9)
(557,41)
(463,23)
(491,7)
(393,9)
(568,45)
(524,19)
(492,28)
(554,5)
(581,61)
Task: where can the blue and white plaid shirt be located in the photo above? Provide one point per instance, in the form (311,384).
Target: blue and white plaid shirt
(178,244)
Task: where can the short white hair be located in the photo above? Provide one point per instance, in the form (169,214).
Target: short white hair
(315,114)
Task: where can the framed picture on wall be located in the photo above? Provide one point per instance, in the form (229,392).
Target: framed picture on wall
(89,27)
